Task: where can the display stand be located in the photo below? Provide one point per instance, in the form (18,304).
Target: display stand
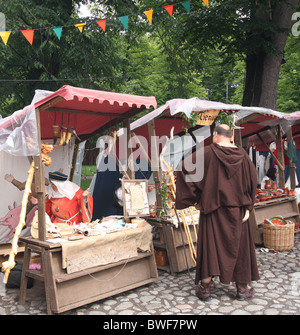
(88,113)
(174,242)
(286,207)
(67,291)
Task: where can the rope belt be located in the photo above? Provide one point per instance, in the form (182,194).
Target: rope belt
(69,220)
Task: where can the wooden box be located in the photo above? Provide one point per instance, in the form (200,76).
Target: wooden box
(285,207)
(174,241)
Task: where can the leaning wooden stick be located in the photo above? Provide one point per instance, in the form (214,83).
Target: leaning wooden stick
(8,265)
(189,237)
(172,186)
(194,224)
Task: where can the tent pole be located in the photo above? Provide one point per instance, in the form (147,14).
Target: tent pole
(74,159)
(129,165)
(291,164)
(40,183)
(280,157)
(237,137)
(155,166)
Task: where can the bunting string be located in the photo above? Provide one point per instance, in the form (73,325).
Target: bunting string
(29,33)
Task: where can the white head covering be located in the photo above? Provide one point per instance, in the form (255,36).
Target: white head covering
(64,189)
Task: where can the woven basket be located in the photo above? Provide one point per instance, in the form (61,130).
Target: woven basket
(279,238)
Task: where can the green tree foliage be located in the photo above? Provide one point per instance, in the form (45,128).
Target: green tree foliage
(76,59)
(289,79)
(202,53)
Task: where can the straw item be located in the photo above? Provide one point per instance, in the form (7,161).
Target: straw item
(279,238)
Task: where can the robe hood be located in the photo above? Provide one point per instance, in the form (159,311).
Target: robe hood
(230,158)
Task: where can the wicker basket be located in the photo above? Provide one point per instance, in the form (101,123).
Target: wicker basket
(161,257)
(279,238)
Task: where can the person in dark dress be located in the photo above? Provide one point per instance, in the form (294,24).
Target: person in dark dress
(224,195)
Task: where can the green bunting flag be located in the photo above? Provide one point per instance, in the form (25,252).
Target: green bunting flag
(58,31)
(186,5)
(124,20)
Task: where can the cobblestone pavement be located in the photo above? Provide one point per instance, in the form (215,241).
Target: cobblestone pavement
(277,293)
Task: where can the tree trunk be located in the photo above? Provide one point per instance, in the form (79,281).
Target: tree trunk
(262,69)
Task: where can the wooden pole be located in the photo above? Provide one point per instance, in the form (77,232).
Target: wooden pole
(129,164)
(156,170)
(40,183)
(142,147)
(291,164)
(280,166)
(74,160)
(280,157)
(237,137)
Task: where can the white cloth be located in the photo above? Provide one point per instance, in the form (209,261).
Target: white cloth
(267,162)
(261,168)
(297,193)
(64,189)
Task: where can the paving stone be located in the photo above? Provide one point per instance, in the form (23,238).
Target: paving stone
(276,293)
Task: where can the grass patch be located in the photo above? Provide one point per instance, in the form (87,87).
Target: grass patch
(87,172)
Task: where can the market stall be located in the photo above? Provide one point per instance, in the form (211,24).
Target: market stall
(176,240)
(74,114)
(175,234)
(260,132)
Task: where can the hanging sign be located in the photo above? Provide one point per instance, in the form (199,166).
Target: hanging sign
(207,118)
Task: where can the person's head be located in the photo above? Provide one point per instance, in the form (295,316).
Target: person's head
(272,173)
(222,133)
(57,177)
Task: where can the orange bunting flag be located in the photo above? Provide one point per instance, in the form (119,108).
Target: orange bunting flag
(80,26)
(149,14)
(169,9)
(206,2)
(5,35)
(102,24)
(28,34)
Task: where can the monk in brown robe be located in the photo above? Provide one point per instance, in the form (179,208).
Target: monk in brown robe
(224,194)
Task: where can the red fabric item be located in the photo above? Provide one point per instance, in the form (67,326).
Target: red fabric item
(62,209)
(286,161)
(81,102)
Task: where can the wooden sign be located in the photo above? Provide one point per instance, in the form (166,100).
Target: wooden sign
(135,197)
(207,118)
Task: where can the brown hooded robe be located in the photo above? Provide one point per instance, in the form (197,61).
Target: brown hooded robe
(225,244)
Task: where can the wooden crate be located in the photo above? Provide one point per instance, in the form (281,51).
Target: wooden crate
(286,207)
(174,241)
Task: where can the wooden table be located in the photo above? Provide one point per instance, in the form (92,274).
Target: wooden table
(67,291)
(174,241)
(285,207)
